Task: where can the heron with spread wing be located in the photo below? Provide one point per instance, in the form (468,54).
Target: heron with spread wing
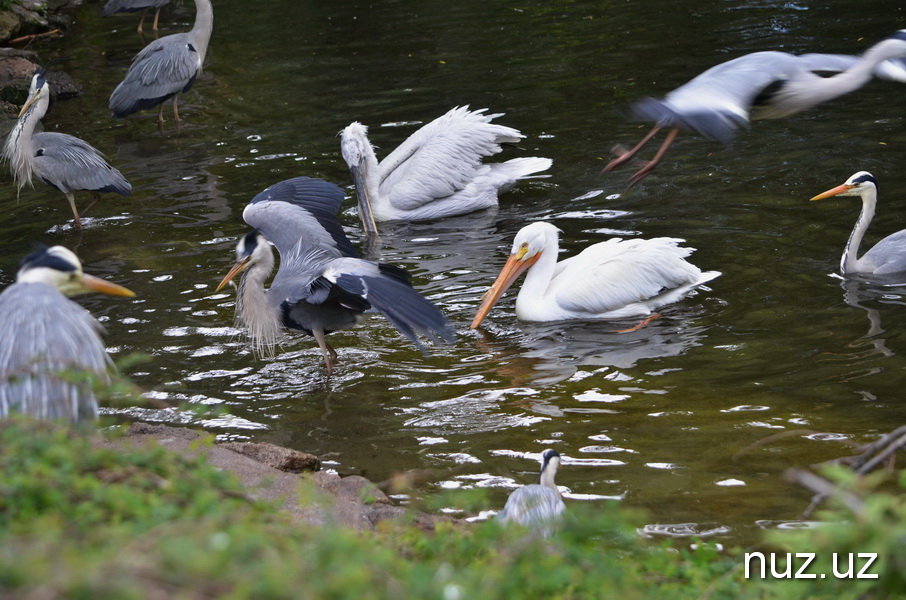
(761,85)
(321,285)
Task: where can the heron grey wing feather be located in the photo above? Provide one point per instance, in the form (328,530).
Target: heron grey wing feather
(442,157)
(70,163)
(44,338)
(610,275)
(532,505)
(887,256)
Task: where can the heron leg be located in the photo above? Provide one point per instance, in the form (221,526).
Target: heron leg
(650,165)
(175,112)
(75,211)
(644,322)
(142,22)
(624,155)
(156,16)
(160,118)
(330,355)
(94,199)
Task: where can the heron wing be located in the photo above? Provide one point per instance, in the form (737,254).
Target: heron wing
(442,157)
(532,505)
(68,163)
(893,69)
(47,343)
(610,275)
(299,216)
(887,256)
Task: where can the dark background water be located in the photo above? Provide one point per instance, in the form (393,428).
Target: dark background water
(662,418)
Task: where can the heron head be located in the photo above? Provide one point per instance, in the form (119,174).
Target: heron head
(249,251)
(38,90)
(60,267)
(859,184)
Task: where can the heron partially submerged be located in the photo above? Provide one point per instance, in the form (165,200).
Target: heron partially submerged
(164,68)
(48,343)
(321,285)
(437,172)
(129,6)
(538,504)
(761,85)
(608,280)
(888,256)
(60,160)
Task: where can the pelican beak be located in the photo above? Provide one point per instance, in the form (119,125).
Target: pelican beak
(365,213)
(515,266)
(96,284)
(834,192)
(238,268)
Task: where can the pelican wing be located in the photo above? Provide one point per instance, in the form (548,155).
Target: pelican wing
(68,163)
(613,274)
(299,216)
(442,157)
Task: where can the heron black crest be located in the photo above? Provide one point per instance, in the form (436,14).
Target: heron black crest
(866,178)
(40,257)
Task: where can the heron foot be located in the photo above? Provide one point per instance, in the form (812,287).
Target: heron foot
(642,173)
(644,322)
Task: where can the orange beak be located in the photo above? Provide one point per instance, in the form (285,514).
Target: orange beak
(515,266)
(96,284)
(833,192)
(238,268)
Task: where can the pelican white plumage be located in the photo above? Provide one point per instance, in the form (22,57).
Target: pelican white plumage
(884,258)
(609,280)
(537,504)
(437,172)
(760,85)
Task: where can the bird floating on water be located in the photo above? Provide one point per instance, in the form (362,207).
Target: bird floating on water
(48,343)
(537,504)
(608,280)
(761,85)
(129,6)
(321,285)
(437,172)
(62,161)
(884,258)
(164,68)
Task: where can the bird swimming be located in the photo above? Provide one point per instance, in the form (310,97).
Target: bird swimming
(164,68)
(537,504)
(608,280)
(118,6)
(321,285)
(62,161)
(437,172)
(48,342)
(761,85)
(884,258)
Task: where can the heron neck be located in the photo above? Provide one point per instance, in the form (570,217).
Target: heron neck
(18,149)
(204,26)
(850,253)
(253,308)
(860,73)
(547,477)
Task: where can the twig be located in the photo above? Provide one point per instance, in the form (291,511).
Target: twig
(34,36)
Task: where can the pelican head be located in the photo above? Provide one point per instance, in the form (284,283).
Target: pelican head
(528,246)
(359,156)
(251,250)
(60,267)
(861,184)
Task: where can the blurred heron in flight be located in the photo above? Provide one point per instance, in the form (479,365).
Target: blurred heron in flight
(538,504)
(48,343)
(321,285)
(129,6)
(761,85)
(62,161)
(437,172)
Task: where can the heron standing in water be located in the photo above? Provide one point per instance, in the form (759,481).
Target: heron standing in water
(118,6)
(538,504)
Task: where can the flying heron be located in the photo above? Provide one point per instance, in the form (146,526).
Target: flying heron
(884,258)
(129,6)
(609,280)
(321,285)
(62,161)
(164,68)
(537,504)
(437,172)
(761,85)
(48,343)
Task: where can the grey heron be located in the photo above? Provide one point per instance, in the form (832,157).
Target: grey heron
(761,85)
(48,343)
(608,280)
(321,285)
(536,504)
(884,258)
(118,6)
(62,161)
(437,172)
(164,68)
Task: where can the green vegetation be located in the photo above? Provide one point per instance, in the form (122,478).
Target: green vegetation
(83,519)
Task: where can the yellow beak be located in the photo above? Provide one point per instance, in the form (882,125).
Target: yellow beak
(833,192)
(239,267)
(514,267)
(96,284)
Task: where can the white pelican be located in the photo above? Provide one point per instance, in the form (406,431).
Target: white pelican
(536,504)
(761,85)
(437,172)
(884,258)
(609,280)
